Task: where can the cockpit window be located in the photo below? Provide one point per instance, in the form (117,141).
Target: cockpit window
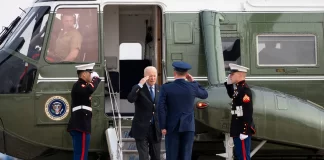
(29,36)
(17,74)
(74,36)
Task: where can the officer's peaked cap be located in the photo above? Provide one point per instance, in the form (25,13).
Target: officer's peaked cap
(85,67)
(181,66)
(237,68)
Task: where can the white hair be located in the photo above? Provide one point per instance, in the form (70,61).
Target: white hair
(149,68)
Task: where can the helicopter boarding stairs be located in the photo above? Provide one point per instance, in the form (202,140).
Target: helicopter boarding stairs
(120,145)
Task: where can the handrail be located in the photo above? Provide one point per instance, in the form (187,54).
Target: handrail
(115,107)
(164,72)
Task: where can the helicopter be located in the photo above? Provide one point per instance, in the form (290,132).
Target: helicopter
(123,37)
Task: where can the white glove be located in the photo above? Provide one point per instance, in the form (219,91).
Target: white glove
(229,79)
(243,136)
(94,74)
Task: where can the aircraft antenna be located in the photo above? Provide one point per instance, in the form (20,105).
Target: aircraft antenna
(22,10)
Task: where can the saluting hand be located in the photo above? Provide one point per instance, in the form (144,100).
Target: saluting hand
(229,81)
(143,80)
(94,74)
(189,78)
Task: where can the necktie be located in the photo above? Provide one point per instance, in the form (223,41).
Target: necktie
(152,96)
(152,93)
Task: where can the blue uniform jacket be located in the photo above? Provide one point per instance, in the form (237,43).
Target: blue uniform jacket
(176,103)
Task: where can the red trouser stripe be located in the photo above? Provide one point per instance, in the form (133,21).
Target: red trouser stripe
(83,145)
(243,149)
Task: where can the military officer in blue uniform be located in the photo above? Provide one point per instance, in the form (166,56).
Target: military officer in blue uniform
(176,112)
(80,122)
(242,126)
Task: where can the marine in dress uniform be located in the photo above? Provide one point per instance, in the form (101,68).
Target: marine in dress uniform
(242,126)
(176,112)
(80,122)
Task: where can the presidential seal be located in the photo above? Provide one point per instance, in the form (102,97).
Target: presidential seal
(57,108)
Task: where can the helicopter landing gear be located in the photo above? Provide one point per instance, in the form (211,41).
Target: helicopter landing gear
(229,144)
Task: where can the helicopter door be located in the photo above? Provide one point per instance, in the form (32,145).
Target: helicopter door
(73,40)
(129,48)
(183,43)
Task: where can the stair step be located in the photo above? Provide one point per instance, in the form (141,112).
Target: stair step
(133,155)
(129,148)
(125,133)
(128,140)
(133,140)
(131,145)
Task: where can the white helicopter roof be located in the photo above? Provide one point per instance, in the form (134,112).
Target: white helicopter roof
(214,5)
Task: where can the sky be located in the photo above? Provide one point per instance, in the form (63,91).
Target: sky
(10,10)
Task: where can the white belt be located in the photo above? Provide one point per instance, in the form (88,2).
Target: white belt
(238,111)
(234,111)
(81,107)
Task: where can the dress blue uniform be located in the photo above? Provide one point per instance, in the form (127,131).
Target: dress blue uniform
(176,114)
(80,122)
(242,126)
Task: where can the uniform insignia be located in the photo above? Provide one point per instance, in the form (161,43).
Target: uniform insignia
(246,99)
(82,85)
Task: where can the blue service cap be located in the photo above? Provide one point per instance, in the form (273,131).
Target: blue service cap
(181,66)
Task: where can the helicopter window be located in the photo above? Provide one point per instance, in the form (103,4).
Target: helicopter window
(17,76)
(29,37)
(231,51)
(286,50)
(74,36)
(130,51)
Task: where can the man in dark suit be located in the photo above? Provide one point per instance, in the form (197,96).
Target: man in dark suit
(176,112)
(145,126)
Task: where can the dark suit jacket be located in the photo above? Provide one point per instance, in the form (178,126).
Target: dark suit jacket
(144,107)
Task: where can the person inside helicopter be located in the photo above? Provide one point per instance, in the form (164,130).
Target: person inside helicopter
(68,42)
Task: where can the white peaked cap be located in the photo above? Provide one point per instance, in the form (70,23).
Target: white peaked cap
(237,68)
(85,67)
